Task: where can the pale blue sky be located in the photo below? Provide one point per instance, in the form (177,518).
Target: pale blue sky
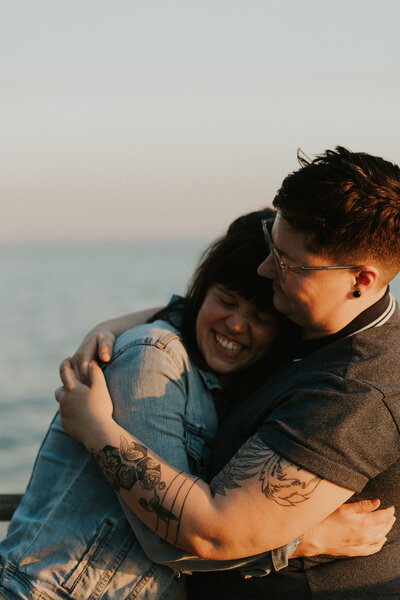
(124,119)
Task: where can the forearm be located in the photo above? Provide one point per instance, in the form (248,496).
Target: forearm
(121,324)
(154,490)
(231,521)
(163,553)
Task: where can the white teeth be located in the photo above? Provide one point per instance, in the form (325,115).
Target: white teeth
(228,345)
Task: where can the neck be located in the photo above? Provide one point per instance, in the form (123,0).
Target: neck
(342,318)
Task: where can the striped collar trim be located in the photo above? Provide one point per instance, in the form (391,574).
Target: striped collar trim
(375,316)
(382,319)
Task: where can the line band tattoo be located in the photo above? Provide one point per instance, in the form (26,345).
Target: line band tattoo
(163,498)
(173,504)
(281,481)
(183,505)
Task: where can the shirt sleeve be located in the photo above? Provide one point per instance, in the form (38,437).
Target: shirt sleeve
(339,429)
(149,391)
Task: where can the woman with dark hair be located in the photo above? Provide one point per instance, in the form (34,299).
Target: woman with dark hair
(69,537)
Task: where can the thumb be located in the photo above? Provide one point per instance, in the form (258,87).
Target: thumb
(96,376)
(365,505)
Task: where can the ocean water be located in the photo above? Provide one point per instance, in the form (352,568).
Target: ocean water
(51,295)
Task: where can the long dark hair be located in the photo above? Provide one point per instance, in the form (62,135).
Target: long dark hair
(231,261)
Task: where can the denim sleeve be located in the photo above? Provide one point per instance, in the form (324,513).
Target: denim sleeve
(147,387)
(149,392)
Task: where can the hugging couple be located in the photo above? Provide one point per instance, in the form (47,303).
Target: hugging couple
(245,434)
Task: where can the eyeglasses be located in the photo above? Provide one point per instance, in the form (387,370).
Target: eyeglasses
(283,267)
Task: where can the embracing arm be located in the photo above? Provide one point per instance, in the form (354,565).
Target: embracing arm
(258,502)
(149,390)
(352,530)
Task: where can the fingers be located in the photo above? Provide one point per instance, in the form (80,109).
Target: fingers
(67,375)
(97,347)
(377,525)
(368,509)
(81,359)
(364,505)
(383,517)
(367,549)
(59,394)
(105,344)
(95,373)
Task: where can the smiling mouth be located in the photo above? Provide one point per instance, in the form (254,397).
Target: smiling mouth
(228,345)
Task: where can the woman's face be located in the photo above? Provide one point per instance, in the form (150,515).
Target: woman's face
(231,332)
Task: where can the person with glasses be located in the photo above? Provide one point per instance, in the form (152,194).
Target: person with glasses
(324,429)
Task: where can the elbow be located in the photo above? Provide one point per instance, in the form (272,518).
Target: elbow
(217,545)
(224,541)
(209,549)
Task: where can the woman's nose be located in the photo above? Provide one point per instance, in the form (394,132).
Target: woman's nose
(236,322)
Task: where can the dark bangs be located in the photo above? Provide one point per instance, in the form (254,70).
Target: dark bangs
(236,269)
(231,261)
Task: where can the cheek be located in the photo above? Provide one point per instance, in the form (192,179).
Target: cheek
(200,328)
(264,339)
(207,315)
(299,295)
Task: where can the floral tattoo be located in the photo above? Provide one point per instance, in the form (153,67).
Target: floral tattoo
(129,464)
(281,481)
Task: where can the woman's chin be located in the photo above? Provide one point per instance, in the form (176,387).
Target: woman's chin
(226,366)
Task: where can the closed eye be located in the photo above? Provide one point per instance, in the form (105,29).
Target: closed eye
(264,319)
(225,302)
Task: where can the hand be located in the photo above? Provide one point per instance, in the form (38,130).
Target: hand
(84,409)
(95,346)
(354,529)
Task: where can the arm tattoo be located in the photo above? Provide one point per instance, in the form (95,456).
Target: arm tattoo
(126,465)
(123,467)
(281,481)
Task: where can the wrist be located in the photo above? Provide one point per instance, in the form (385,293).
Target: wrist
(306,547)
(100,433)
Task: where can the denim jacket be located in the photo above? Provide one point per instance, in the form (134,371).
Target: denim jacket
(71,537)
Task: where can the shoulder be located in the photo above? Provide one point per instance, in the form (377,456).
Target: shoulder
(160,333)
(155,338)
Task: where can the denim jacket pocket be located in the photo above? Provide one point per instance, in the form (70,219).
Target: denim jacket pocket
(198,444)
(101,540)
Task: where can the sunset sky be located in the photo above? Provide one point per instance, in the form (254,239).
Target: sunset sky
(128,119)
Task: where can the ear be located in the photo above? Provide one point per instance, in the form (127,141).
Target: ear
(366,279)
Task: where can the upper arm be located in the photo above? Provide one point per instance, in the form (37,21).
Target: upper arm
(148,388)
(260,501)
(149,395)
(120,324)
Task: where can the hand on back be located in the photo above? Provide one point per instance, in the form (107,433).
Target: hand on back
(354,529)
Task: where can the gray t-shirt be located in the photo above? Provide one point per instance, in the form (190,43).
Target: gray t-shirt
(336,413)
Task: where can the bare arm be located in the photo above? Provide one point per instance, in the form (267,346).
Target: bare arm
(258,502)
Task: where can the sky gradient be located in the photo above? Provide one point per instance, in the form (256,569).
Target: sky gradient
(167,118)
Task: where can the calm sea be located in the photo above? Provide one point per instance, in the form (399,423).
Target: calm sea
(51,295)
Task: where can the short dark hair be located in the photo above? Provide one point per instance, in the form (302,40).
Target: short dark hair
(348,205)
(232,261)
